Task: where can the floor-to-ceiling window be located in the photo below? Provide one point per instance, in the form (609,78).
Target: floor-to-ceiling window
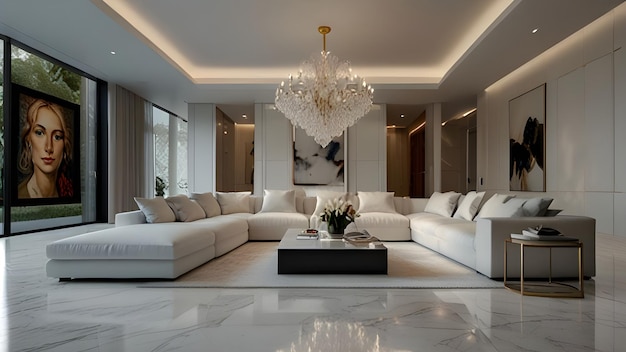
(49,145)
(170,153)
(1,136)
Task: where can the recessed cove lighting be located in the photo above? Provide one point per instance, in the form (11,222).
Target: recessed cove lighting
(535,30)
(469,112)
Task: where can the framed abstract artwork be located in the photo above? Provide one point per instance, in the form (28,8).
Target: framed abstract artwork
(317,166)
(527,154)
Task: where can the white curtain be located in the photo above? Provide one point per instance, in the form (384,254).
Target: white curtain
(131,159)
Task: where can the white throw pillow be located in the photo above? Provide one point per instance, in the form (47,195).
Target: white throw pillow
(381,202)
(323,197)
(279,201)
(185,209)
(156,210)
(442,203)
(233,202)
(208,203)
(468,207)
(502,206)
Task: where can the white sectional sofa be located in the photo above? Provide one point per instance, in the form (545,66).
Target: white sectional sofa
(135,248)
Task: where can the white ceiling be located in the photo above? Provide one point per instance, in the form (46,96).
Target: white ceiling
(235,52)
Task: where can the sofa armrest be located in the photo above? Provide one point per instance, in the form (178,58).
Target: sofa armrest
(492,232)
(130,218)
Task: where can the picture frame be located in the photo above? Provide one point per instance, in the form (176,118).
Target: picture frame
(46,148)
(527,154)
(317,166)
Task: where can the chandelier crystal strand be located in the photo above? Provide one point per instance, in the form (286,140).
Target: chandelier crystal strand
(325,97)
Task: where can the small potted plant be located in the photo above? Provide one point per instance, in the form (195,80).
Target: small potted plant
(338,214)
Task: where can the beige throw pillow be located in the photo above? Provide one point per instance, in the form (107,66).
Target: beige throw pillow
(442,203)
(185,209)
(468,207)
(502,206)
(208,202)
(233,202)
(155,210)
(381,202)
(279,201)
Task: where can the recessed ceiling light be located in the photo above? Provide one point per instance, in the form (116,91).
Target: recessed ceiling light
(245,117)
(535,30)
(401,116)
(113,52)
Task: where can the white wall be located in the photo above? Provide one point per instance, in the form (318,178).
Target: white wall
(273,149)
(585,122)
(201,161)
(367,152)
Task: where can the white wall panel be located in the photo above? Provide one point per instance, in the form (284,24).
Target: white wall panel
(619,227)
(367,141)
(278,135)
(600,207)
(620,119)
(598,134)
(201,160)
(272,149)
(585,122)
(367,152)
(277,175)
(598,38)
(570,123)
(367,175)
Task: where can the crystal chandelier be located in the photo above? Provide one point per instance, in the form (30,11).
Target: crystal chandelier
(325,97)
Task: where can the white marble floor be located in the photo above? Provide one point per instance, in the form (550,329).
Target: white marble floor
(41,314)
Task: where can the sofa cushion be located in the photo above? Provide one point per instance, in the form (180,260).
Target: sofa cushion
(167,241)
(279,201)
(379,202)
(379,219)
(502,206)
(185,209)
(468,207)
(442,203)
(233,202)
(427,223)
(272,226)
(208,202)
(230,231)
(155,209)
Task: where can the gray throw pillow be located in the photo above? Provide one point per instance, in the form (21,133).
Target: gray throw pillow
(156,210)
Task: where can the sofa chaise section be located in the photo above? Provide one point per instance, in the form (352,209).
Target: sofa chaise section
(163,251)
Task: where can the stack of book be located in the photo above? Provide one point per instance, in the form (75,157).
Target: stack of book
(541,233)
(308,234)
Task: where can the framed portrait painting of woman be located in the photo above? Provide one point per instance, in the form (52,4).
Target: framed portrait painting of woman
(45,135)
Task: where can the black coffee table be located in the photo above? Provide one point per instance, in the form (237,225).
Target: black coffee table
(326,256)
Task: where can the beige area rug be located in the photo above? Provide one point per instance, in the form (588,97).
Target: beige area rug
(254,265)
